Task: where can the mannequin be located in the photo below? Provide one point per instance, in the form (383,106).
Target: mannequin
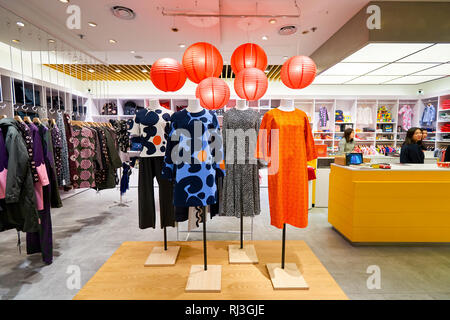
(287,105)
(241,105)
(153,104)
(194,106)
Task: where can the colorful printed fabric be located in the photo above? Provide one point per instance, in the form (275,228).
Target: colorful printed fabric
(70,147)
(153,127)
(195,173)
(323,116)
(407,113)
(57,149)
(83,158)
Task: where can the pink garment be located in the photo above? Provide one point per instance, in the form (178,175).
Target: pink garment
(43,181)
(3,175)
(407,116)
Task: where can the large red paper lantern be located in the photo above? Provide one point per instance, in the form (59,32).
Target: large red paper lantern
(213,93)
(167,74)
(202,60)
(251,84)
(248,55)
(298,72)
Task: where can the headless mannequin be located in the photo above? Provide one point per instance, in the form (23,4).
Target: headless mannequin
(287,105)
(194,106)
(242,105)
(153,104)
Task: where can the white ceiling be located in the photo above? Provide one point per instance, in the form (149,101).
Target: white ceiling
(151,37)
(391,63)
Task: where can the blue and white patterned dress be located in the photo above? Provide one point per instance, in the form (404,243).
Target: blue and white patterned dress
(200,158)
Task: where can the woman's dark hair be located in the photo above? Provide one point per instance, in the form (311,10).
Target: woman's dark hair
(410,135)
(347,134)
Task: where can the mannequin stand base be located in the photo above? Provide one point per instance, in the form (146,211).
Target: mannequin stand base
(161,258)
(288,278)
(246,255)
(204,281)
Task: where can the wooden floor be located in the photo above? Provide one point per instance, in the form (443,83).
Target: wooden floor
(124,276)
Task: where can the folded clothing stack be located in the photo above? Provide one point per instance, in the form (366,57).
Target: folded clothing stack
(445,127)
(445,104)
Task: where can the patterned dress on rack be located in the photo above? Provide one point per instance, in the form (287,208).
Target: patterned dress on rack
(83,158)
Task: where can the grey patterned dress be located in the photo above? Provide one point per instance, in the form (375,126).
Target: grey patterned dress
(240,193)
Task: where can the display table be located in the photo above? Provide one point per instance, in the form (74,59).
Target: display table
(124,276)
(408,203)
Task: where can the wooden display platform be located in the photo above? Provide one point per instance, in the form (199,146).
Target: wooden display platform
(245,255)
(159,257)
(123,276)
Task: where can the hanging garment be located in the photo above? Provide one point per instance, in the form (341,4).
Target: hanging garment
(153,127)
(121,129)
(47,143)
(125,179)
(407,115)
(20,202)
(323,116)
(57,150)
(64,177)
(149,169)
(199,145)
(113,160)
(83,158)
(364,116)
(3,166)
(38,154)
(428,115)
(26,135)
(70,148)
(288,185)
(241,185)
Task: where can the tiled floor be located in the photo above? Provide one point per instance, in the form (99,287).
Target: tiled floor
(87,231)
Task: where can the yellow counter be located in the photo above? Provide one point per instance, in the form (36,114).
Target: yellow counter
(406,204)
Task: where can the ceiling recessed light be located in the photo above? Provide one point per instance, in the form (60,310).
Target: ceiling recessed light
(182,45)
(51,40)
(118,70)
(112,41)
(20,24)
(285,57)
(144,70)
(273,21)
(91,70)
(132,51)
(64,1)
(92,24)
(16,41)
(264,37)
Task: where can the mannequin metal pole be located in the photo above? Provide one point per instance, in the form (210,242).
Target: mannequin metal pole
(242,230)
(204,237)
(165,239)
(283,248)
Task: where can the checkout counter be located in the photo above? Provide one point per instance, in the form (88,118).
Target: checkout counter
(407,203)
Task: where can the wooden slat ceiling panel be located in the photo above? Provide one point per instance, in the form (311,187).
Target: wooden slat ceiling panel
(134,72)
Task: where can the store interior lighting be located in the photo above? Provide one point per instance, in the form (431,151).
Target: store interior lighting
(391,63)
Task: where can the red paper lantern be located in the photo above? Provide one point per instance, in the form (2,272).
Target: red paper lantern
(248,55)
(213,93)
(167,74)
(298,72)
(251,84)
(202,60)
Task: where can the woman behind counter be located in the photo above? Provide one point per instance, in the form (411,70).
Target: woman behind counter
(411,151)
(347,144)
